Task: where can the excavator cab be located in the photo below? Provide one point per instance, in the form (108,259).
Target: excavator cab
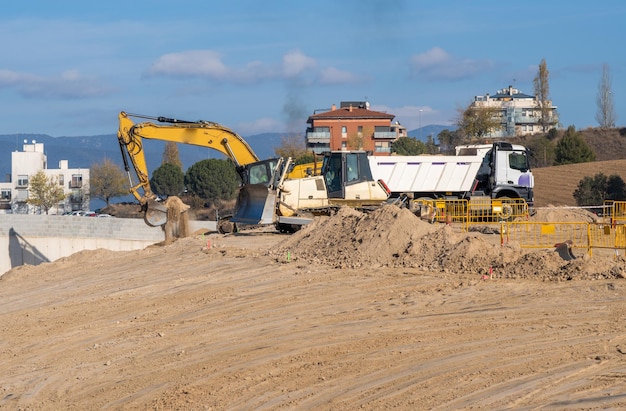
(342,169)
(256,200)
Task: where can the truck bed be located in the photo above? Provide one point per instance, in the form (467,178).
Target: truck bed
(426,174)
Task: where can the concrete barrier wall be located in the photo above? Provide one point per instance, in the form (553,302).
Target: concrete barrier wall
(33,239)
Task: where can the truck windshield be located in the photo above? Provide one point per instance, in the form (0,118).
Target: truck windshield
(519,161)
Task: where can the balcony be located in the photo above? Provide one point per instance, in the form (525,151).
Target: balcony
(318,136)
(526,120)
(387,135)
(382,149)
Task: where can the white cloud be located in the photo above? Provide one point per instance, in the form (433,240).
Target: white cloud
(296,63)
(190,63)
(437,64)
(332,75)
(209,64)
(68,85)
(258,126)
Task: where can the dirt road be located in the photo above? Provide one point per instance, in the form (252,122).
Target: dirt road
(234,327)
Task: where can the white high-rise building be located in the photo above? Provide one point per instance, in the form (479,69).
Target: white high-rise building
(519,114)
(28,162)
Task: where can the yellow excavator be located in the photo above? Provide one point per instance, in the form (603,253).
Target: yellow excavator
(271,192)
(255,174)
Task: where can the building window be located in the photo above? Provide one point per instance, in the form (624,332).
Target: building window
(61,180)
(22,180)
(344,145)
(360,131)
(5,195)
(77,181)
(344,132)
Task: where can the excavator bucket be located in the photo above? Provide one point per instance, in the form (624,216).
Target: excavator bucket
(155,214)
(256,204)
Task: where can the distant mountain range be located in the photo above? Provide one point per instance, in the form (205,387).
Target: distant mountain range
(82,152)
(430,130)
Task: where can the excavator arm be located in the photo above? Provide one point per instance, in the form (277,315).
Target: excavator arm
(199,133)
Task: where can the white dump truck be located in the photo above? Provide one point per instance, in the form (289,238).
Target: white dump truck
(498,170)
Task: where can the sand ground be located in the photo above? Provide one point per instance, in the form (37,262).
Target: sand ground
(248,322)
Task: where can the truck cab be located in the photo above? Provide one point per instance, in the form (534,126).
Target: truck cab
(504,171)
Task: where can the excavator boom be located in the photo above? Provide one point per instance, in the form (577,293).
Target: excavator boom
(199,133)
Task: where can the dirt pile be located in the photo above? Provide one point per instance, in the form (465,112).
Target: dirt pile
(564,214)
(394,237)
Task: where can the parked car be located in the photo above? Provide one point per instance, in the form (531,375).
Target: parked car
(105,215)
(90,214)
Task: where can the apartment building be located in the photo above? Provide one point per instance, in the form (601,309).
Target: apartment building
(352,126)
(519,113)
(28,162)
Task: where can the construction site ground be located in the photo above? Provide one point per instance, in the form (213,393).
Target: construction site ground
(373,312)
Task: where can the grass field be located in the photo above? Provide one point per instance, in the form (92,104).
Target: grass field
(556,185)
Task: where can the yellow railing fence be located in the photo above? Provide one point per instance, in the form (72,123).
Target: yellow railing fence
(474,211)
(582,235)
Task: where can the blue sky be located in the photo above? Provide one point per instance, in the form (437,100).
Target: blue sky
(69,67)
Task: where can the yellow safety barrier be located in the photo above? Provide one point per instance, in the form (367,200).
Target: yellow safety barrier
(491,211)
(616,212)
(549,234)
(442,210)
(475,211)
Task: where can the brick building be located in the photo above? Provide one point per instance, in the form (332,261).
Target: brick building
(352,126)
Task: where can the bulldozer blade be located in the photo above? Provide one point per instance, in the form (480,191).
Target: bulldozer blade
(256,204)
(156,214)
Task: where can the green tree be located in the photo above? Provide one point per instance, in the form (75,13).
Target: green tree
(593,191)
(541,87)
(478,121)
(553,133)
(305,158)
(107,181)
(408,146)
(168,180)
(615,188)
(572,149)
(542,151)
(171,155)
(431,147)
(212,180)
(448,140)
(44,192)
(590,191)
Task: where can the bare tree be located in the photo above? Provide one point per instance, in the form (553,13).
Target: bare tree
(107,181)
(606,110)
(291,145)
(542,93)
